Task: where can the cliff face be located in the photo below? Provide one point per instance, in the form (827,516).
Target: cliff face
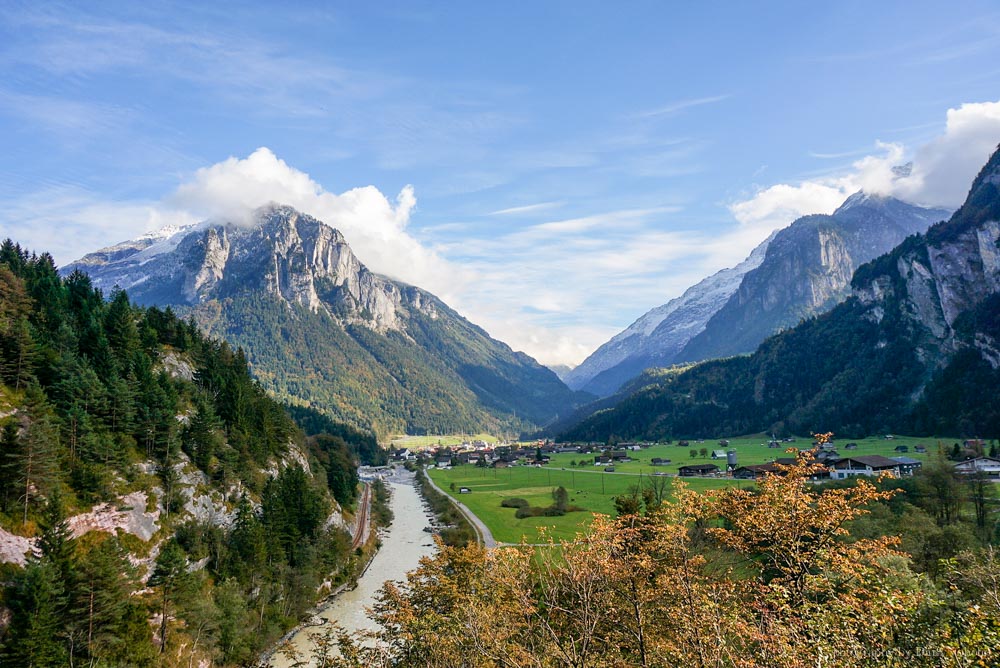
(798,272)
(807,271)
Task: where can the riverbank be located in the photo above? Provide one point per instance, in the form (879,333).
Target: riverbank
(403,544)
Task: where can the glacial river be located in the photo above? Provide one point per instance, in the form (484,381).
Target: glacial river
(402,547)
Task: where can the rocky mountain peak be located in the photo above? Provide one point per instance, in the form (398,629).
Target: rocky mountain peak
(278,250)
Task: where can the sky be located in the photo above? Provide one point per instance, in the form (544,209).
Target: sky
(552,170)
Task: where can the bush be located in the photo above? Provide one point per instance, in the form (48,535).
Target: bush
(514,503)
(529,511)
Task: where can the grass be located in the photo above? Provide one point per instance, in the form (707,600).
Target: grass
(591,488)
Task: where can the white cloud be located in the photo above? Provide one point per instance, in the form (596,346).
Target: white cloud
(941,173)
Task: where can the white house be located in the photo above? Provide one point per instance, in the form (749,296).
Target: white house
(987,465)
(869,465)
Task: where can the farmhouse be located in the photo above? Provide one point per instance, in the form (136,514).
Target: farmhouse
(659,461)
(907,465)
(697,470)
(870,465)
(754,471)
(718,454)
(987,465)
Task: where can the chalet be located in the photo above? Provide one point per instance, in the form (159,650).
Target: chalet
(869,465)
(442,462)
(601,460)
(907,465)
(659,461)
(851,446)
(620,456)
(920,448)
(754,471)
(988,465)
(698,470)
(718,454)
(902,448)
(724,443)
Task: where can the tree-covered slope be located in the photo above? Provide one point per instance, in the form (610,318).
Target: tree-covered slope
(914,349)
(149,477)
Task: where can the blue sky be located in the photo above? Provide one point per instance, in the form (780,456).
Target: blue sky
(551,169)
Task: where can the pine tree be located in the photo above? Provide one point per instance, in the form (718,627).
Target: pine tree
(36,601)
(169,575)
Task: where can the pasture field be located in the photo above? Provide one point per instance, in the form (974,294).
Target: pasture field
(593,489)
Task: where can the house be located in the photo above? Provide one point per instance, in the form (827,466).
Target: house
(902,448)
(920,448)
(754,471)
(698,470)
(827,456)
(851,446)
(869,465)
(464,490)
(718,454)
(659,461)
(442,462)
(907,465)
(724,443)
(988,465)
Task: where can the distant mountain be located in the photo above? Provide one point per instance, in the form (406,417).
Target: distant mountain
(320,329)
(561,370)
(655,339)
(806,271)
(914,349)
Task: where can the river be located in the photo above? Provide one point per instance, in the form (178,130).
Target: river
(403,545)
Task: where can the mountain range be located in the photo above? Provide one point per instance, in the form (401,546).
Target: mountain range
(320,329)
(798,272)
(915,348)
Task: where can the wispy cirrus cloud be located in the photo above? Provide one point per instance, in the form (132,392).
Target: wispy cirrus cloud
(527,209)
(681,105)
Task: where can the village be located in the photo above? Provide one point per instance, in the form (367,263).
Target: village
(972,456)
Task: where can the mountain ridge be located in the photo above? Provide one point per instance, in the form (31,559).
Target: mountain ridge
(910,351)
(321,329)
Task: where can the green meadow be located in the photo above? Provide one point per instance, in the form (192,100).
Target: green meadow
(593,489)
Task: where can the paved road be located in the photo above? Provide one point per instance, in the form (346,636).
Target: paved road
(485,535)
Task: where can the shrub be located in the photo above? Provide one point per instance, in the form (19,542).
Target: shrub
(514,503)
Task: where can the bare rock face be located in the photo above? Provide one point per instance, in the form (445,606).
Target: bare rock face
(800,271)
(929,282)
(807,270)
(282,252)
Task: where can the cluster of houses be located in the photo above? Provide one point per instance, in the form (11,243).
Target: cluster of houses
(503,455)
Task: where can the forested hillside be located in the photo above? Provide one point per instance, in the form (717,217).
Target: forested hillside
(149,478)
(322,331)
